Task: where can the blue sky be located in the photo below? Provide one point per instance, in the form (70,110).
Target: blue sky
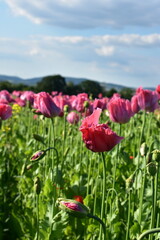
(115,41)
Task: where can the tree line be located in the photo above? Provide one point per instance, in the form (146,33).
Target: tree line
(58,83)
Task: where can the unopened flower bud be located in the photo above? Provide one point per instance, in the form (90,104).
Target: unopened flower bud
(37,185)
(73,207)
(156,155)
(38,138)
(149,157)
(66,108)
(38,155)
(152,169)
(129,182)
(29,166)
(86,104)
(143,149)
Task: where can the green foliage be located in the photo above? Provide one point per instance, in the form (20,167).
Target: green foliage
(91,87)
(52,83)
(75,170)
(126,93)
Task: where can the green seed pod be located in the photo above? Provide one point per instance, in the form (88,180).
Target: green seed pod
(37,185)
(156,155)
(152,169)
(73,207)
(38,155)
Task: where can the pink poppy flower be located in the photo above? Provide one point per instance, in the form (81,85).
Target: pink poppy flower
(147,99)
(5,111)
(73,118)
(5,96)
(98,137)
(120,110)
(44,103)
(134,104)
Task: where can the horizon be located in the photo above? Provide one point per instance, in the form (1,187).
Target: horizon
(113,42)
(69,78)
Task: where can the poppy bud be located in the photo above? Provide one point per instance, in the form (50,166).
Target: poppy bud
(143,149)
(66,108)
(38,155)
(37,185)
(156,155)
(38,138)
(73,207)
(86,104)
(152,169)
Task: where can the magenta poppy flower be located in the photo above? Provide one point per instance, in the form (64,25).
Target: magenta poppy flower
(73,118)
(79,102)
(5,111)
(134,104)
(98,137)
(44,103)
(147,99)
(27,96)
(158,89)
(120,110)
(5,96)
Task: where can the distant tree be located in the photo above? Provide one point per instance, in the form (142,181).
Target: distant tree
(52,83)
(110,92)
(127,93)
(72,89)
(91,87)
(5,85)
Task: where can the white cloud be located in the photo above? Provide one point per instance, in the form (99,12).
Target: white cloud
(81,14)
(105,51)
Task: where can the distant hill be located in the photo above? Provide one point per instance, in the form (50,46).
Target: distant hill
(34,81)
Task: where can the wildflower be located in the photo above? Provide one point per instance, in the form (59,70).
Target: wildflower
(73,118)
(73,207)
(120,110)
(5,111)
(98,137)
(147,99)
(45,105)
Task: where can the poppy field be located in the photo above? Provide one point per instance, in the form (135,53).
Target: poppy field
(72,167)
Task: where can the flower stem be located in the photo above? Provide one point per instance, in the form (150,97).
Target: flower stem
(129,214)
(101,222)
(37,207)
(153,230)
(153,206)
(103,194)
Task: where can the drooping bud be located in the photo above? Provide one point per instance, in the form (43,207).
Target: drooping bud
(38,155)
(73,207)
(156,155)
(152,169)
(37,185)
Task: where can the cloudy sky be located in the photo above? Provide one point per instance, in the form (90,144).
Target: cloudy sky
(116,41)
